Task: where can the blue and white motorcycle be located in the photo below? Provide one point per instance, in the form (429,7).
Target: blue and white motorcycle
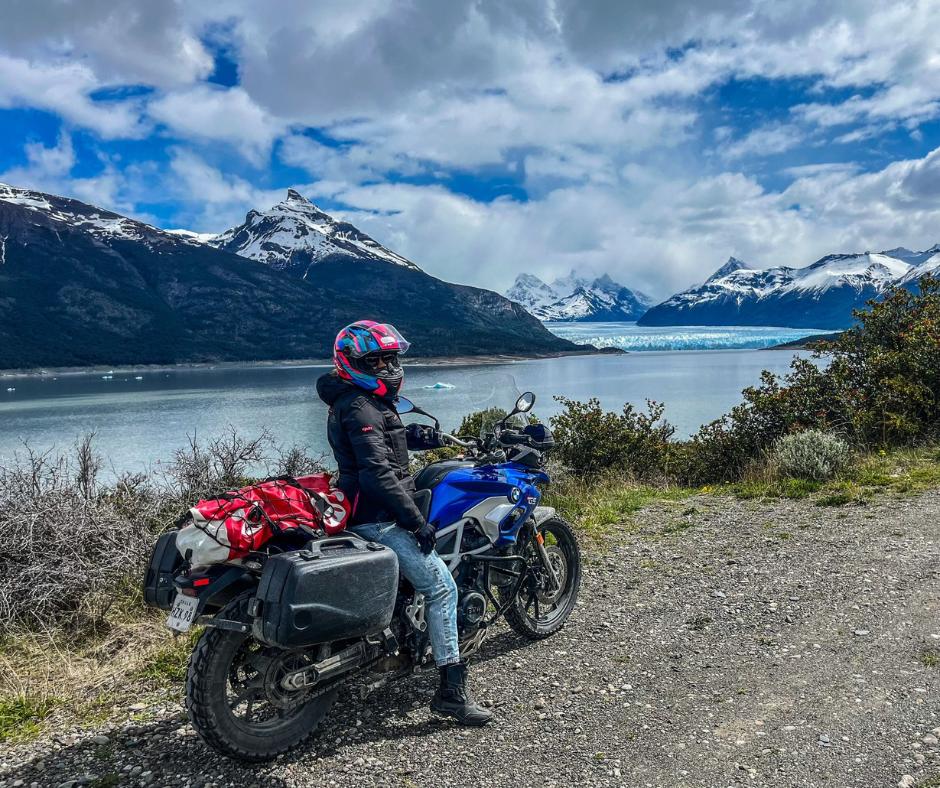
(287,628)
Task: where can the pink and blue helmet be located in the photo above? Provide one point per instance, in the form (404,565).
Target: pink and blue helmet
(358,350)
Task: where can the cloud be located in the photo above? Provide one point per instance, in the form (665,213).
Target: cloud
(227,115)
(626,231)
(205,198)
(65,90)
(765,141)
(602,113)
(49,169)
(118,41)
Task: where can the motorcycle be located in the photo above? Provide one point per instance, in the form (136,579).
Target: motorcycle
(286,627)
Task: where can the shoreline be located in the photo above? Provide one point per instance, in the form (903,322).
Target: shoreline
(418,361)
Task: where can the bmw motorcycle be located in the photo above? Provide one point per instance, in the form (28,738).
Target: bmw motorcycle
(288,626)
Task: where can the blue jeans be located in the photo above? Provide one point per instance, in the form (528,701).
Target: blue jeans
(430,577)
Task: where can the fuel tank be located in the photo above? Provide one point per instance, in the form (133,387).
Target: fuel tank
(500,497)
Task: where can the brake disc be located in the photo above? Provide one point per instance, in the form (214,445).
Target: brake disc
(556,557)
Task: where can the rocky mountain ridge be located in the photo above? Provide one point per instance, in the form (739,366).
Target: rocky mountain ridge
(575,298)
(821,295)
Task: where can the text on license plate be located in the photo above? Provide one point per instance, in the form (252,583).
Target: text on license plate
(183,614)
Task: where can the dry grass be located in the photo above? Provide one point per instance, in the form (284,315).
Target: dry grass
(50,680)
(77,644)
(67,543)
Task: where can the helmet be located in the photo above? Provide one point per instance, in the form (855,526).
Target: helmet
(360,346)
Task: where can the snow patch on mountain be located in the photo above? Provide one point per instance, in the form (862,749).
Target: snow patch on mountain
(577,298)
(930,265)
(295,233)
(189,235)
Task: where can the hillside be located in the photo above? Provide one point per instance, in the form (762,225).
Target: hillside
(81,286)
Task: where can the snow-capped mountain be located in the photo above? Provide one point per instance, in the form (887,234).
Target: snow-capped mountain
(730,267)
(576,298)
(821,295)
(929,263)
(81,286)
(96,222)
(295,235)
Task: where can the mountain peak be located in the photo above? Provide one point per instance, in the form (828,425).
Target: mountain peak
(295,234)
(604,282)
(575,297)
(294,196)
(530,280)
(733,264)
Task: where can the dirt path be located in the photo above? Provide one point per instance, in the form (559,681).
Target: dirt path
(719,643)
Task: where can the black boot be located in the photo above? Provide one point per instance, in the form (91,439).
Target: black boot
(453,699)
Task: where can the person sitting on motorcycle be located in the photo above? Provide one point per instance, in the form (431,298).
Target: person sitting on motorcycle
(371,445)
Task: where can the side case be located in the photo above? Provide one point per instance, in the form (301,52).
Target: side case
(165,564)
(337,588)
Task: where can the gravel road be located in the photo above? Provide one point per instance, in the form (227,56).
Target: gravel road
(717,643)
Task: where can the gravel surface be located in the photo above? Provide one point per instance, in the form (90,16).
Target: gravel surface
(717,643)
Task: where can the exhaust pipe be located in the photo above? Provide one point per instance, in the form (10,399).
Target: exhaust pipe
(342,662)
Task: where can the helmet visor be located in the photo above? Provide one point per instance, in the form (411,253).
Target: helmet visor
(363,339)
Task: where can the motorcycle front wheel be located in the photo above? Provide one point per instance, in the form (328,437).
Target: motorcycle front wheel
(538,611)
(228,695)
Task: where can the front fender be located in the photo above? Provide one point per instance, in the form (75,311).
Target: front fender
(543,513)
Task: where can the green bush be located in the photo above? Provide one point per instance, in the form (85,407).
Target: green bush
(877,384)
(589,439)
(813,455)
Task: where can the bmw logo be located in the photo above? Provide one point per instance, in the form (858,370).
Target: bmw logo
(515,494)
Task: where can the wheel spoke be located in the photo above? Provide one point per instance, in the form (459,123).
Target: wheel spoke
(537,614)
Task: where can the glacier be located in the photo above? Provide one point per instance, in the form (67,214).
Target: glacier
(634,338)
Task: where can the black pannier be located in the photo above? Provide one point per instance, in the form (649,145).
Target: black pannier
(165,564)
(335,588)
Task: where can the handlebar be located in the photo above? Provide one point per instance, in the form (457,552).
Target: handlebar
(457,441)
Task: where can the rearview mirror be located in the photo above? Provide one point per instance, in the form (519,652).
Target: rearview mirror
(525,402)
(404,405)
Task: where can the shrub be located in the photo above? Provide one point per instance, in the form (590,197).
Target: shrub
(589,439)
(65,544)
(877,384)
(71,546)
(812,455)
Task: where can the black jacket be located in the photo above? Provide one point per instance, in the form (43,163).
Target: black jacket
(371,449)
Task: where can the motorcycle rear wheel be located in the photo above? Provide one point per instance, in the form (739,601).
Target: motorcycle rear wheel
(224,677)
(534,612)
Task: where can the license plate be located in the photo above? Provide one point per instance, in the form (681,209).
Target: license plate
(183,614)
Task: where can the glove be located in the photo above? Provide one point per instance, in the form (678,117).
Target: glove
(422,436)
(426,538)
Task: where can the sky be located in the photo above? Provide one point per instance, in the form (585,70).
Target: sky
(483,138)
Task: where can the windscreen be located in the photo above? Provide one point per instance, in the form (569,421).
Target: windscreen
(495,393)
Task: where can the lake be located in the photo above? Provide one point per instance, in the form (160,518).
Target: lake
(140,418)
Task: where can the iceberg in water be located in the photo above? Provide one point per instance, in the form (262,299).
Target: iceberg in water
(437,386)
